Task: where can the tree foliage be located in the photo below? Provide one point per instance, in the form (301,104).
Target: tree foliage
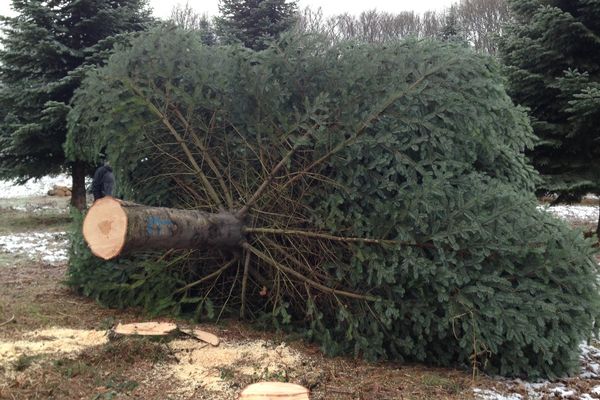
(387,201)
(254,23)
(44,49)
(553,55)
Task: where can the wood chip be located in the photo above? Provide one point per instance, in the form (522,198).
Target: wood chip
(274,391)
(146,329)
(203,336)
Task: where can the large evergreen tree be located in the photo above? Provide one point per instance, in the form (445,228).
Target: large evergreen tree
(553,52)
(451,29)
(43,51)
(254,22)
(386,201)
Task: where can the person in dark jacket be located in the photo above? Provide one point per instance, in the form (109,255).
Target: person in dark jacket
(103,183)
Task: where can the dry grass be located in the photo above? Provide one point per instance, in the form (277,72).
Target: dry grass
(135,368)
(19,221)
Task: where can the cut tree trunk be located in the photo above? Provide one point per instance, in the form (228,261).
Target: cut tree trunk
(146,329)
(598,226)
(112,227)
(161,330)
(274,391)
(78,185)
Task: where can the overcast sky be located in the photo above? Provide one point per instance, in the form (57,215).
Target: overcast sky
(162,8)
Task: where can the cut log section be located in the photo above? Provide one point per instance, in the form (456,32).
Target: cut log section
(274,391)
(112,227)
(203,336)
(146,329)
(161,329)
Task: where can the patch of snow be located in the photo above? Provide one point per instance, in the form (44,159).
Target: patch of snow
(50,248)
(34,187)
(486,394)
(534,390)
(562,392)
(573,212)
(590,361)
(568,388)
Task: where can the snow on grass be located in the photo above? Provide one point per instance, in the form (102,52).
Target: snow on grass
(575,213)
(37,208)
(34,187)
(590,361)
(568,388)
(47,247)
(486,394)
(561,392)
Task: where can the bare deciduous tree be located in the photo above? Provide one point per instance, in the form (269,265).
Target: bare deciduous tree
(479,21)
(482,20)
(186,17)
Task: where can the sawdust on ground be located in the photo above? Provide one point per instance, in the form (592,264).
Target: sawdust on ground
(216,368)
(49,341)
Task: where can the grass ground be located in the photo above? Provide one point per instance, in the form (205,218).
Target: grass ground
(36,297)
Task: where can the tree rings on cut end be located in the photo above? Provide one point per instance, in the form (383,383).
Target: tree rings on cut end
(145,329)
(105,228)
(274,391)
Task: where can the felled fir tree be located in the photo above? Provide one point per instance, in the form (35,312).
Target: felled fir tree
(42,51)
(387,205)
(552,50)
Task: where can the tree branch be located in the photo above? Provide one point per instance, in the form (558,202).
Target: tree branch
(206,183)
(209,276)
(318,235)
(301,277)
(244,284)
(359,131)
(206,156)
(244,210)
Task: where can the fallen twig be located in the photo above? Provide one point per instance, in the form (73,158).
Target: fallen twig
(9,321)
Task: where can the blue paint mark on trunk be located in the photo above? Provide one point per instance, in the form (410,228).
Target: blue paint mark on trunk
(152,222)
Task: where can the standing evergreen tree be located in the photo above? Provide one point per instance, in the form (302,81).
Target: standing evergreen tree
(552,50)
(44,49)
(254,22)
(451,29)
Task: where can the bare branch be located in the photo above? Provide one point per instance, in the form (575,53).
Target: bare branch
(301,277)
(207,185)
(209,276)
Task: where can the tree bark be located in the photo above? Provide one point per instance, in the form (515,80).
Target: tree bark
(274,391)
(112,227)
(598,226)
(78,185)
